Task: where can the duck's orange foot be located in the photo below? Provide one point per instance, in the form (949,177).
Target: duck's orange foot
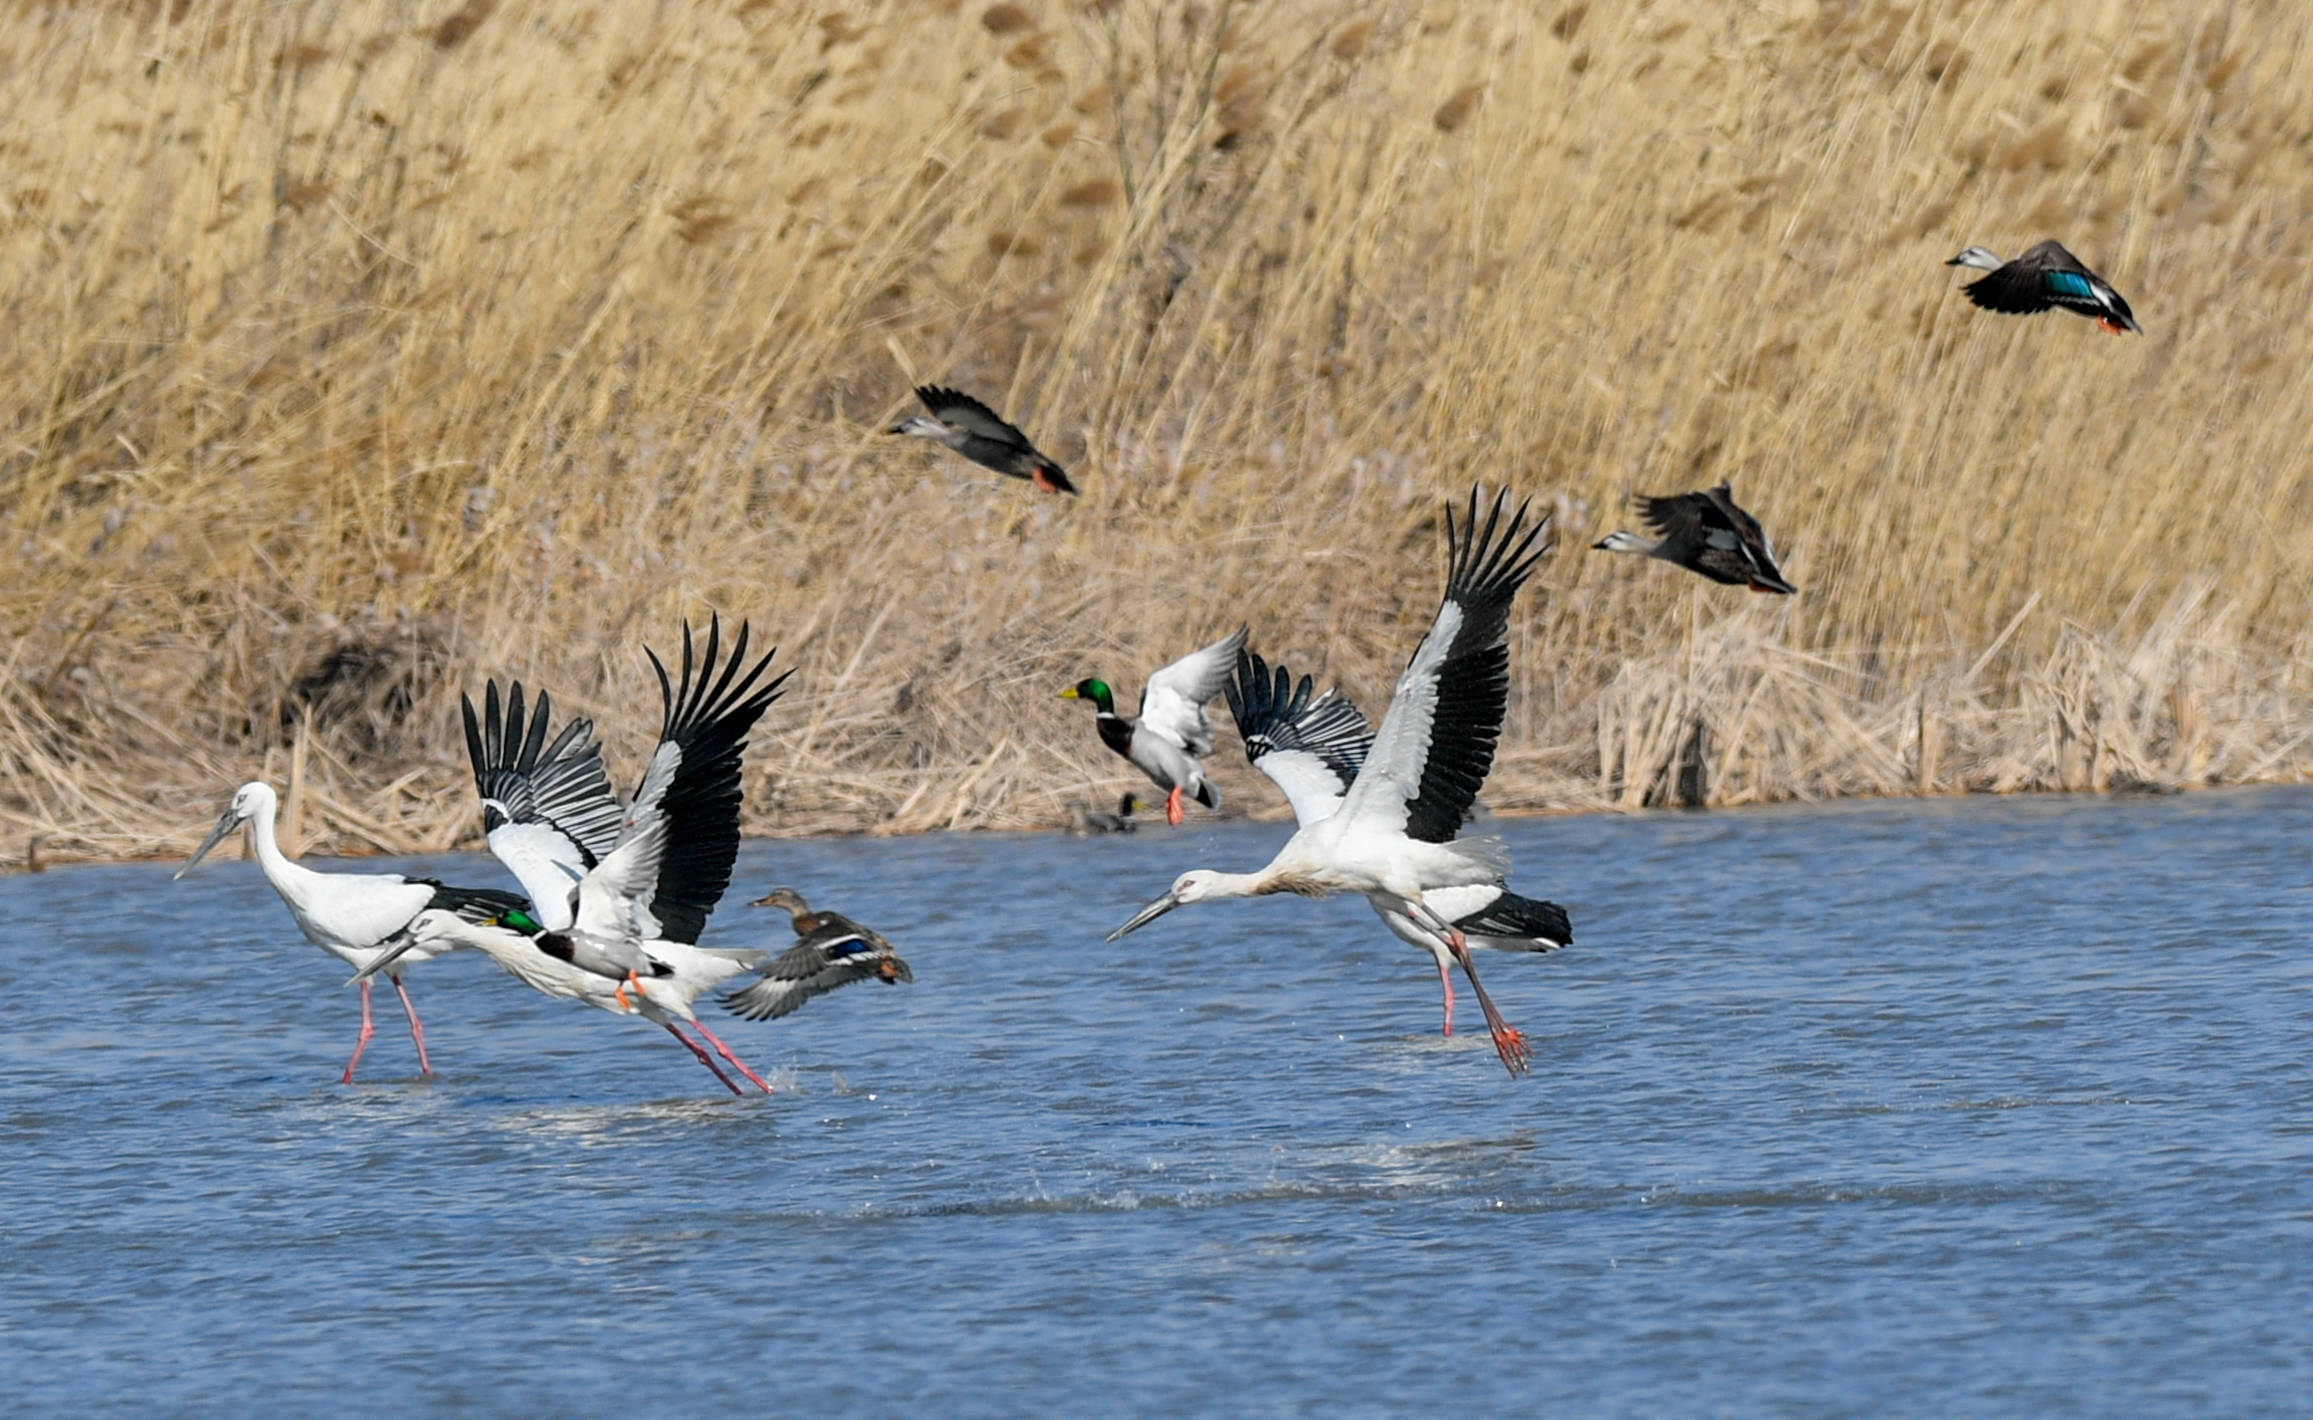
(1511,1046)
(2111,326)
(1173,814)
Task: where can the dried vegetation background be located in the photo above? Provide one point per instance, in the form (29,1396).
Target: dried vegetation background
(360,351)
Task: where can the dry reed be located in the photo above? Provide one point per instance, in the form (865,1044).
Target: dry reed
(361,353)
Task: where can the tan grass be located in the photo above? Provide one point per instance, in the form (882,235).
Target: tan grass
(361,353)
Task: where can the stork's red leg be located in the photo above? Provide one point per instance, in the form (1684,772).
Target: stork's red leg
(704,1058)
(417,1032)
(725,1051)
(1508,1043)
(362,1044)
(1447,982)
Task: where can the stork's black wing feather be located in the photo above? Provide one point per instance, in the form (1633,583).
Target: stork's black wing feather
(475,905)
(1486,568)
(694,774)
(522,779)
(1274,714)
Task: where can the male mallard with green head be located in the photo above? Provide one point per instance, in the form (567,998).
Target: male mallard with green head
(1170,737)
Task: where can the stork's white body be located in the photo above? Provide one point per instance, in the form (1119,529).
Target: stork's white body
(1392,836)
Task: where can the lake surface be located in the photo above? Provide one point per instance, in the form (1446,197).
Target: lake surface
(1960,1107)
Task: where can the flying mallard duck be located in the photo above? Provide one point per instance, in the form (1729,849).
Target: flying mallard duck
(2045,276)
(1705,532)
(974,430)
(831,950)
(1171,734)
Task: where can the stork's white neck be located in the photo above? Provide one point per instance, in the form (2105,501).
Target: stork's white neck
(288,877)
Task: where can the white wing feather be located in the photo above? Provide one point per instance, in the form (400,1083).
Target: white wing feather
(614,900)
(1173,704)
(546,863)
(1392,777)
(1310,784)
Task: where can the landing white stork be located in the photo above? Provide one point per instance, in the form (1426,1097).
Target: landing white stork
(1312,747)
(1393,839)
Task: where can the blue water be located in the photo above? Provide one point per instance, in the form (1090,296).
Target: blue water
(1962,1107)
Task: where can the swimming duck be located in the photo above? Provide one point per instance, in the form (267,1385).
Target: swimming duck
(1705,532)
(975,431)
(2045,276)
(831,951)
(1084,822)
(1171,734)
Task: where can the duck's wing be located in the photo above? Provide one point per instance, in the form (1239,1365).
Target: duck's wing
(547,809)
(2044,277)
(1311,746)
(959,410)
(693,778)
(1753,554)
(822,962)
(1684,520)
(1172,704)
(614,900)
(1436,744)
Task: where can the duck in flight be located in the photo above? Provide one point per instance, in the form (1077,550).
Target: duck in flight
(1394,836)
(1312,747)
(830,951)
(2045,277)
(981,435)
(1171,735)
(1707,533)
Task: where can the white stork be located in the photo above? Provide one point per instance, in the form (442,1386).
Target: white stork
(352,916)
(1393,839)
(1312,747)
(515,941)
(621,895)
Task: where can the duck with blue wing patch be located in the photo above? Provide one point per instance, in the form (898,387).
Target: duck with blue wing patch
(831,951)
(2045,278)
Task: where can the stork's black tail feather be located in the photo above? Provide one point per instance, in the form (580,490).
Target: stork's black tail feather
(1544,924)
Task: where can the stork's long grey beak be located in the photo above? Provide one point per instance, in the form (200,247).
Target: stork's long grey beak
(217,835)
(1147,915)
(393,953)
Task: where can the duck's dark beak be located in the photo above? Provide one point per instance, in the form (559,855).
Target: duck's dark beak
(225,825)
(1147,915)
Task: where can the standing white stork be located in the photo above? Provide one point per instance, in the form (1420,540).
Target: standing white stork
(1312,747)
(352,916)
(1392,839)
(621,895)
